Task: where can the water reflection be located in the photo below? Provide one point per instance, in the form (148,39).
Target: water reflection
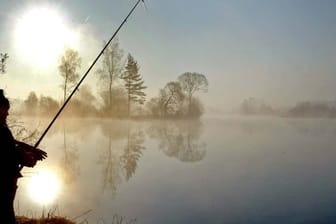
(43,187)
(69,161)
(230,171)
(123,146)
(95,158)
(119,157)
(132,151)
(180,140)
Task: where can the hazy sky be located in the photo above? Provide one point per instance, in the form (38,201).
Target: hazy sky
(280,51)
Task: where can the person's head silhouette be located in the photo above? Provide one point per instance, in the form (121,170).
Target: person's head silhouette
(4,107)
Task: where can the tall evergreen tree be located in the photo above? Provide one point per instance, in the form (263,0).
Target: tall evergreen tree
(134,83)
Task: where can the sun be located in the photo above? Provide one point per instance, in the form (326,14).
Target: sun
(41,35)
(44,187)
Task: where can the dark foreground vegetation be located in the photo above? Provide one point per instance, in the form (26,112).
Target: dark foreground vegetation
(117,219)
(52,220)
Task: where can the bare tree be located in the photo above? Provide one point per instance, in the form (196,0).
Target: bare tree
(170,98)
(112,67)
(3,59)
(192,82)
(69,63)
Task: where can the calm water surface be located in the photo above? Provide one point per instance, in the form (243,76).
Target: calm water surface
(229,170)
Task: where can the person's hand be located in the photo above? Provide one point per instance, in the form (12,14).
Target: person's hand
(28,154)
(28,159)
(39,154)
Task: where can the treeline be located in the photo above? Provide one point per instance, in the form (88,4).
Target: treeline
(175,100)
(253,106)
(313,109)
(119,91)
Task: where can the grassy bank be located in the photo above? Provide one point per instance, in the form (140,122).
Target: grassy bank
(52,220)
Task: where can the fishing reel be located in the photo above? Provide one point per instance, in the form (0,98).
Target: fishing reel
(28,155)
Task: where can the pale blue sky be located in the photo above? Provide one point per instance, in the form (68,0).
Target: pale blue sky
(281,51)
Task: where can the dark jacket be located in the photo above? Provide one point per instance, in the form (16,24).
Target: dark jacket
(9,156)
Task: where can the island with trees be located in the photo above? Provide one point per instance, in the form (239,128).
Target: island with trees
(119,91)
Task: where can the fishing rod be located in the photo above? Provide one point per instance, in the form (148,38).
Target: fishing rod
(84,76)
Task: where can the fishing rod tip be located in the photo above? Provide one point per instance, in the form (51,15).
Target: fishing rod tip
(143,1)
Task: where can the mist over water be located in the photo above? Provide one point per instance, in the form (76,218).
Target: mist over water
(228,170)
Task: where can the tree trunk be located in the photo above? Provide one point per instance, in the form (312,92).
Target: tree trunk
(189,105)
(129,104)
(110,95)
(65,89)
(111,69)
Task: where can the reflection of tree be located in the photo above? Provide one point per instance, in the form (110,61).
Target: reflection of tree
(69,162)
(111,167)
(110,158)
(120,164)
(180,139)
(132,152)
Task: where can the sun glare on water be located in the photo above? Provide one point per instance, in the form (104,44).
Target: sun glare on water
(41,35)
(44,187)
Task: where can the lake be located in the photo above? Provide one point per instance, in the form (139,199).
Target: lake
(223,170)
